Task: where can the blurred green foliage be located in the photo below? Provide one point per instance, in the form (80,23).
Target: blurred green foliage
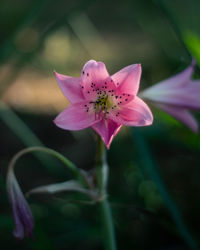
(151,211)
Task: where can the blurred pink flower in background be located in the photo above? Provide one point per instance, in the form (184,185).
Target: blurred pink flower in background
(176,96)
(102,101)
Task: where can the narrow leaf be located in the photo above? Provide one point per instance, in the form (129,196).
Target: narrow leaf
(150,165)
(66,186)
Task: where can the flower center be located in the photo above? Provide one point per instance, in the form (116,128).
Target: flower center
(103,104)
(106,100)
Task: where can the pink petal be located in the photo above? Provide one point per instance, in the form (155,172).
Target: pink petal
(70,87)
(93,77)
(187,96)
(179,80)
(191,94)
(107,129)
(135,113)
(181,114)
(122,98)
(164,89)
(128,79)
(77,116)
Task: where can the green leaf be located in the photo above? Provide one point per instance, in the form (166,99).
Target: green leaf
(66,186)
(150,165)
(192,41)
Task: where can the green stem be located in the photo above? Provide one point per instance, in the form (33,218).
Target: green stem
(103,204)
(101,167)
(52,152)
(107,223)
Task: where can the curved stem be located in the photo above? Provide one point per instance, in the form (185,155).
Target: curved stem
(103,204)
(59,156)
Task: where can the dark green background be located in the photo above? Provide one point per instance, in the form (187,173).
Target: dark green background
(154,171)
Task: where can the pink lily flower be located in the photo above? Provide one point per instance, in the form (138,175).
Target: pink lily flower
(176,96)
(102,101)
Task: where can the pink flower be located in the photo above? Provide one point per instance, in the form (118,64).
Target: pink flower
(176,96)
(102,101)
